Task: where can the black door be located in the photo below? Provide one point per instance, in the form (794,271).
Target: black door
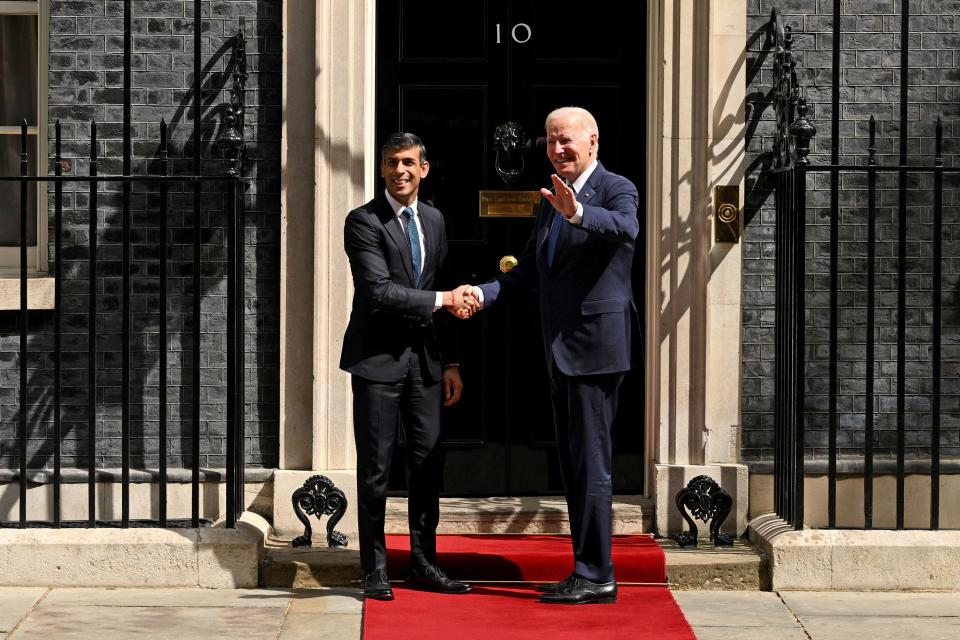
(451,72)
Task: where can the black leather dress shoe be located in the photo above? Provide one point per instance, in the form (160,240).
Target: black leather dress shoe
(431,578)
(582,591)
(376,585)
(554,587)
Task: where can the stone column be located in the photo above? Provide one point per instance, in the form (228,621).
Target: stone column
(694,289)
(328,169)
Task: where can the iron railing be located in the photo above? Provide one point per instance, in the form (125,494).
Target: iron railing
(792,172)
(231,143)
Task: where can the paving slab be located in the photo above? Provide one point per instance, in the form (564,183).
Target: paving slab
(326,626)
(880,628)
(151,623)
(334,600)
(740,609)
(749,633)
(15,603)
(186,597)
(872,603)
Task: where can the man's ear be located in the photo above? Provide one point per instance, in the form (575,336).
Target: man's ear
(424,169)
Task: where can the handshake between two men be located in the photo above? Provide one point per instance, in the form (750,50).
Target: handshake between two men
(464,301)
(586,261)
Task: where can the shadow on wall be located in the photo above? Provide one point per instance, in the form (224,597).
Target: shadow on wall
(145,308)
(688,255)
(758,184)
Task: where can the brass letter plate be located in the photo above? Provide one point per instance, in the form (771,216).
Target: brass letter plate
(509,204)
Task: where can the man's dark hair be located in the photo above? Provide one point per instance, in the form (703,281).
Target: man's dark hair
(401,140)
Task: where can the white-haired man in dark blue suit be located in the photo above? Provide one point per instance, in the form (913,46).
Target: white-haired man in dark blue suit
(580,256)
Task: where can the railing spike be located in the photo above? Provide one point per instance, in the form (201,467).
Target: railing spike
(938,159)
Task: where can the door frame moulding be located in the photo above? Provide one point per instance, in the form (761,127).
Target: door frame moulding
(654,190)
(318,423)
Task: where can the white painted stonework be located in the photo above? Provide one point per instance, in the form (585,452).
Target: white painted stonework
(214,557)
(821,559)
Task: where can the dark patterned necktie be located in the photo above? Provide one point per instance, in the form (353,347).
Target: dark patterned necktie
(414,237)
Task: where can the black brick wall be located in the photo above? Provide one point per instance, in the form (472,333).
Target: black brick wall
(85,82)
(870,84)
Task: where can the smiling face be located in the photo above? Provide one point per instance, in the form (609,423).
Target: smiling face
(571,146)
(402,170)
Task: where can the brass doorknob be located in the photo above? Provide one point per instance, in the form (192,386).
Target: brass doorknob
(507,263)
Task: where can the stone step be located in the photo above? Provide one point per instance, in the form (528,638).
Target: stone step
(737,568)
(704,568)
(701,568)
(308,567)
(531,514)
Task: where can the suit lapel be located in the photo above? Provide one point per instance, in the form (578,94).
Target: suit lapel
(544,231)
(391,223)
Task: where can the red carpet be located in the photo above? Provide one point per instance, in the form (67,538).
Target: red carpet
(499,612)
(512,613)
(531,558)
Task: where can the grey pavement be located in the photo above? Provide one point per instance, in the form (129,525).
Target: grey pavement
(335,614)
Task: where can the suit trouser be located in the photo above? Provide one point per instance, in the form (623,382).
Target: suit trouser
(376,409)
(584,408)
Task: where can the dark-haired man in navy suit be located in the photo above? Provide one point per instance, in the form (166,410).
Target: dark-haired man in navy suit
(400,365)
(580,255)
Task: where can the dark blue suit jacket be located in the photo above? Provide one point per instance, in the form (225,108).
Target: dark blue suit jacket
(392,318)
(586,297)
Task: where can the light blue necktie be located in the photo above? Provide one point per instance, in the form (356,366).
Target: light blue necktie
(554,233)
(414,237)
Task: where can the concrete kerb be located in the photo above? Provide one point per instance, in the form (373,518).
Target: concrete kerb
(213,558)
(857,560)
(230,558)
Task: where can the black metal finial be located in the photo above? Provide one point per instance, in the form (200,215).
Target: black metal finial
(58,160)
(786,89)
(23,147)
(230,139)
(93,147)
(163,151)
(938,159)
(803,131)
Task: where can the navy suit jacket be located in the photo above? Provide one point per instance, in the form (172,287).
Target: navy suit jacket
(391,318)
(586,296)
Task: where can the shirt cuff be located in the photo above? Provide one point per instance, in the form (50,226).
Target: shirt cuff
(577,217)
(479,293)
(439,301)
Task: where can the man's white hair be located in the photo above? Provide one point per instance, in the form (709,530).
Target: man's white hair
(581,115)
